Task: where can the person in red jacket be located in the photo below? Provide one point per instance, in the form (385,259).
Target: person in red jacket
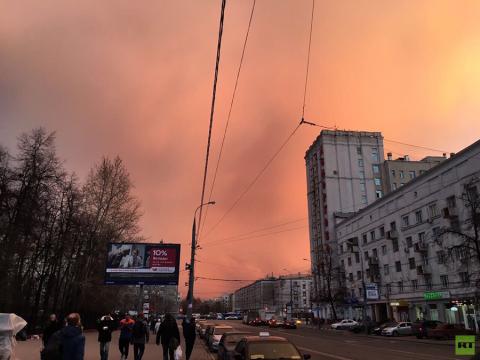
(126,329)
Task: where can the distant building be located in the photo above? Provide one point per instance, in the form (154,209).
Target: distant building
(399,247)
(344,174)
(275,295)
(397,173)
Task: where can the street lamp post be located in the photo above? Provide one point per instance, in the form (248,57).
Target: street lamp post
(192,261)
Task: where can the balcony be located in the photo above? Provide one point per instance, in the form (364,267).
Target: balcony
(420,247)
(392,234)
(423,270)
(372,261)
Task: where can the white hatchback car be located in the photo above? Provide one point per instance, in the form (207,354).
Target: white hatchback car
(344,324)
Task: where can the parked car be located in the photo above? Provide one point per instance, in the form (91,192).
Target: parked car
(344,324)
(206,331)
(362,327)
(402,328)
(421,328)
(289,324)
(378,329)
(227,344)
(448,331)
(215,336)
(266,347)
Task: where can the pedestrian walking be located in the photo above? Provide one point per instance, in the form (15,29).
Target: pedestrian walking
(157,325)
(169,336)
(126,328)
(52,326)
(105,326)
(72,339)
(140,337)
(152,325)
(188,327)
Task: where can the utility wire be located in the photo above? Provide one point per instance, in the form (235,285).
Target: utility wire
(308,59)
(212,110)
(229,114)
(417,146)
(258,230)
(229,280)
(255,179)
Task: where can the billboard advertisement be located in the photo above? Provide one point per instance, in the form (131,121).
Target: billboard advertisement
(142,264)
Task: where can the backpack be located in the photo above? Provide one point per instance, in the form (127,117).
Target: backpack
(53,349)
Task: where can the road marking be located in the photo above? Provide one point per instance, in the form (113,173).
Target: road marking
(332,356)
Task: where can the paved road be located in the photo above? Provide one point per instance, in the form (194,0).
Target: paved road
(321,344)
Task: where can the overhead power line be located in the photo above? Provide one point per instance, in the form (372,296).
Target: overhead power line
(308,60)
(416,146)
(228,280)
(202,225)
(212,109)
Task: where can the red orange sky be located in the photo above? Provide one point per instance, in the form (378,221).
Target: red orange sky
(134,79)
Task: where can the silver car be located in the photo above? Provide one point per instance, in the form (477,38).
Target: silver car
(402,328)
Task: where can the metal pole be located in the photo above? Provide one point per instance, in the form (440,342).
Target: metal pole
(192,266)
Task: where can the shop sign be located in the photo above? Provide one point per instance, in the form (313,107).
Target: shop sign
(399,303)
(371,291)
(465,345)
(436,295)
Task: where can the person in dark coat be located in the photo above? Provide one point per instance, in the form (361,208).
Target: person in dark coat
(140,336)
(189,335)
(72,339)
(169,336)
(105,326)
(52,326)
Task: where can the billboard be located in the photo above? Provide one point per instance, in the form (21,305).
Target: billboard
(142,264)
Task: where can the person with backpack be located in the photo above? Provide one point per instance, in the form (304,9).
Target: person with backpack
(126,328)
(105,326)
(140,336)
(169,336)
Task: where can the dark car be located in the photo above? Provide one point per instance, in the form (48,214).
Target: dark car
(378,329)
(448,331)
(421,328)
(227,344)
(289,324)
(266,347)
(364,327)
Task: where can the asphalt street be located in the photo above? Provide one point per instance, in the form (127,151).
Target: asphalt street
(320,344)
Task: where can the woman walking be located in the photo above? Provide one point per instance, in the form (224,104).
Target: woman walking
(169,336)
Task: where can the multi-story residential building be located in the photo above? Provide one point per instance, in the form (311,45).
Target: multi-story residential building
(344,170)
(256,296)
(409,246)
(276,295)
(398,172)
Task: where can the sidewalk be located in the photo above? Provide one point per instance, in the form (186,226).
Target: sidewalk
(200,351)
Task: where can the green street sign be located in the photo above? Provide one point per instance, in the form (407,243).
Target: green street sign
(465,345)
(435,295)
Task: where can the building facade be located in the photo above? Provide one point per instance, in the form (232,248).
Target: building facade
(256,296)
(406,252)
(344,174)
(397,173)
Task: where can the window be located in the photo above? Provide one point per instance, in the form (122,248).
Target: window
(425,260)
(359,275)
(411,263)
(411,174)
(365,255)
(441,257)
(384,249)
(418,216)
(421,237)
(359,150)
(362,174)
(472,193)
(350,276)
(376,169)
(400,286)
(375,253)
(372,235)
(388,288)
(451,202)
(395,245)
(360,162)
(393,225)
(349,261)
(360,291)
(444,281)
(304,286)
(364,239)
(378,182)
(428,282)
(382,232)
(402,175)
(415,285)
(385,269)
(409,241)
(394,186)
(393,172)
(433,210)
(343,264)
(364,199)
(375,155)
(465,278)
(357,258)
(405,221)
(363,188)
(398,266)
(378,194)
